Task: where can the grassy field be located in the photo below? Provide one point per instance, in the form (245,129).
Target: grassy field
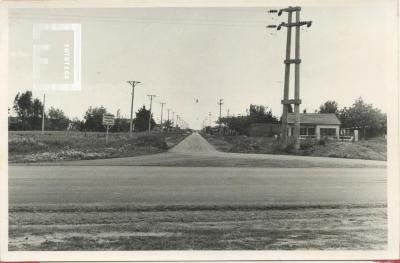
(372,149)
(212,228)
(32,146)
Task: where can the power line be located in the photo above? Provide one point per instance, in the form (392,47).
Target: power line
(232,23)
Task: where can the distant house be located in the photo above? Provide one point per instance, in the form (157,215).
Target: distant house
(316,125)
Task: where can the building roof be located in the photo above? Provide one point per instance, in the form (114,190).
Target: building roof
(316,118)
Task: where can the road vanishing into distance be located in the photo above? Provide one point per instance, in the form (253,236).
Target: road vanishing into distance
(165,191)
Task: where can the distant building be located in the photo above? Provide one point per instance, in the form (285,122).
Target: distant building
(316,125)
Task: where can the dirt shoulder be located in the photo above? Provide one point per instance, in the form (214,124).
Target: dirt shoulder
(373,149)
(199,228)
(32,147)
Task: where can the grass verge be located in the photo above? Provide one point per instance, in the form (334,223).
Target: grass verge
(372,149)
(30,147)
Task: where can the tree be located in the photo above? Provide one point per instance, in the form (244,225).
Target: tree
(361,115)
(121,125)
(57,121)
(261,114)
(94,118)
(76,125)
(37,114)
(141,121)
(23,107)
(329,107)
(167,124)
(256,114)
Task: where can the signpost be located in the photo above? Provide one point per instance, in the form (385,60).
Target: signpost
(108,121)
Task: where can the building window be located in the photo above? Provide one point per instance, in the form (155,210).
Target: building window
(303,131)
(311,131)
(328,132)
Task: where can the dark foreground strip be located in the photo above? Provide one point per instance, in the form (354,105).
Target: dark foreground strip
(161,208)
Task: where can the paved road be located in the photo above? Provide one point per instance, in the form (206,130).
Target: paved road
(135,181)
(194,186)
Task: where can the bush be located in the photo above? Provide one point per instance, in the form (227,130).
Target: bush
(322,142)
(289,148)
(151,140)
(307,144)
(26,145)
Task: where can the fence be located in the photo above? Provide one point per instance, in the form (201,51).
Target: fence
(340,138)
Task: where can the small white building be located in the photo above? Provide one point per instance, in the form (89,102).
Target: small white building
(316,125)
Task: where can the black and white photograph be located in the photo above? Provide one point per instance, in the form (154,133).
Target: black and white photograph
(186,131)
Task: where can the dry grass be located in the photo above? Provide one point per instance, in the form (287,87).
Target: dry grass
(32,146)
(372,149)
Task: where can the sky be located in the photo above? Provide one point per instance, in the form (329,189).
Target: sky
(191,57)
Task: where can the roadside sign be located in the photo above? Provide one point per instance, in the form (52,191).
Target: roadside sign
(108,119)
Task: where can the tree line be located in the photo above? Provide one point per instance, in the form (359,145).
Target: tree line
(363,116)
(29,113)
(360,115)
(254,114)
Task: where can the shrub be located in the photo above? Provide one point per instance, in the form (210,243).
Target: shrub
(307,144)
(151,140)
(289,148)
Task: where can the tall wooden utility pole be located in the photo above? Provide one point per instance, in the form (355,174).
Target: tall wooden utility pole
(286,102)
(43,110)
(220,102)
(151,103)
(168,119)
(133,84)
(162,108)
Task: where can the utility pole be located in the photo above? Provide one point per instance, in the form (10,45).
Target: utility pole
(151,103)
(162,108)
(168,119)
(177,119)
(44,102)
(209,119)
(133,83)
(286,102)
(220,113)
